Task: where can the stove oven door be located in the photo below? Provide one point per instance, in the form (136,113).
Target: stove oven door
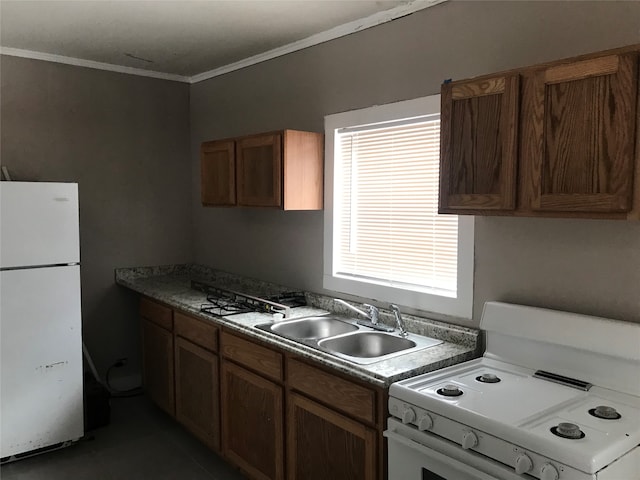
(415,455)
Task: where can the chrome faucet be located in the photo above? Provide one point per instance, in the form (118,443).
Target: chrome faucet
(399,320)
(372,316)
(373,312)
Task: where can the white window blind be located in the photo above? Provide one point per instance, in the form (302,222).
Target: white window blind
(383,238)
(386,224)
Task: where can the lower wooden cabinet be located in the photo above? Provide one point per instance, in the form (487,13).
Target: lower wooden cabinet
(252,422)
(157,365)
(323,444)
(233,396)
(197,392)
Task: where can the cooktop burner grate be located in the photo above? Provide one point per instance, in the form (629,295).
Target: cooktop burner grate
(290,299)
(222,306)
(223,302)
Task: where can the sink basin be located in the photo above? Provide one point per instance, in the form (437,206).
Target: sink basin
(313,328)
(342,337)
(366,347)
(367,344)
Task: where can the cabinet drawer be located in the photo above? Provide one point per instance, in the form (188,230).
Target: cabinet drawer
(340,394)
(251,355)
(197,331)
(156,313)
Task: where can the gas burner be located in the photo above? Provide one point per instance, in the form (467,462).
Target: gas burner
(449,390)
(605,412)
(568,430)
(488,378)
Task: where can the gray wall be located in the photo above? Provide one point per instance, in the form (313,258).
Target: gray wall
(587,266)
(125,140)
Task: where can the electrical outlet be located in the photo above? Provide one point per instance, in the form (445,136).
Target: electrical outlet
(121,362)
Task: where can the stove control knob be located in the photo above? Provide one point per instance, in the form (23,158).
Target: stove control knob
(425,422)
(523,464)
(469,440)
(548,472)
(408,415)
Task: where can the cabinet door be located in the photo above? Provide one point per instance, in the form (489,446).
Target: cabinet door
(479,133)
(252,422)
(197,394)
(323,444)
(259,171)
(582,135)
(157,368)
(218,173)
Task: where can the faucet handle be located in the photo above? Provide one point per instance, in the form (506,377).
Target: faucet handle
(373,312)
(399,320)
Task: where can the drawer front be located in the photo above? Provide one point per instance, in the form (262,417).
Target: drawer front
(159,314)
(197,331)
(251,355)
(340,394)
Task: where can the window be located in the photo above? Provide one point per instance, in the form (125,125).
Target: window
(384,238)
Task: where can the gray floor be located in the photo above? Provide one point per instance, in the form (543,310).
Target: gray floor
(141,443)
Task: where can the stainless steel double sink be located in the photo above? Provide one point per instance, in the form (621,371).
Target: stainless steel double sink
(344,338)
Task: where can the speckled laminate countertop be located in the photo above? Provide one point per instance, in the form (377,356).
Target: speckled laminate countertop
(172,285)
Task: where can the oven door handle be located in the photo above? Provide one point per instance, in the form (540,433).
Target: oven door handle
(445,459)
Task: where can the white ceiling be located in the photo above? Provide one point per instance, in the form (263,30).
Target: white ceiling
(188,40)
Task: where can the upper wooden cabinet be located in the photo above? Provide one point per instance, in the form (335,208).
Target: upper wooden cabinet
(555,140)
(218,173)
(259,171)
(479,144)
(281,169)
(583,126)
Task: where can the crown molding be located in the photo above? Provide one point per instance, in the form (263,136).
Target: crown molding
(78,62)
(322,37)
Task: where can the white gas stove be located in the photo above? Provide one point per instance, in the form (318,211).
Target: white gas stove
(556,396)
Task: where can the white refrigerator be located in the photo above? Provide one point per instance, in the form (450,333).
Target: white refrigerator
(41,377)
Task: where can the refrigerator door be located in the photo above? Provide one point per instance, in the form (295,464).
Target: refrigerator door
(41,394)
(38,224)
